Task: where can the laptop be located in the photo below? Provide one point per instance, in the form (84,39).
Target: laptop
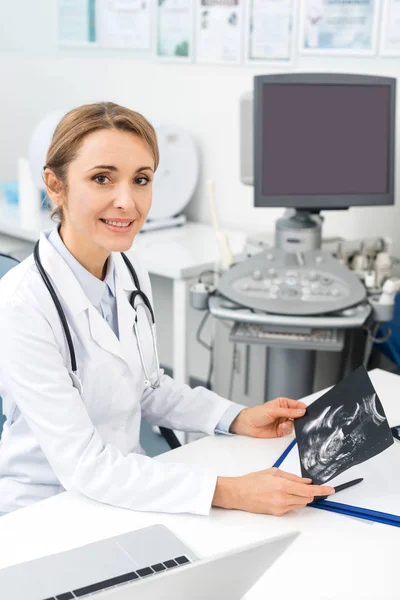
(144,564)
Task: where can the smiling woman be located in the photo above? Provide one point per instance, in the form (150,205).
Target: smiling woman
(99,173)
(78,358)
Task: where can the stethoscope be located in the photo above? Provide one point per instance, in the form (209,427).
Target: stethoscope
(138,293)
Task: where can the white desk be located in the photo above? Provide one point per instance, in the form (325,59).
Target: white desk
(335,557)
(179,253)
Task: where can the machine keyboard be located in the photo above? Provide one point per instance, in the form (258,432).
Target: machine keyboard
(307,339)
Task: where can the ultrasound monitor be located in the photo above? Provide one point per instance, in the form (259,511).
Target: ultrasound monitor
(323,141)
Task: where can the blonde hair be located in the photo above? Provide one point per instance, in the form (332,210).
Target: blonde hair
(80,122)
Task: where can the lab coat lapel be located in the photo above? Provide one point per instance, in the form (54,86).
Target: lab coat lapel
(100,329)
(73,298)
(124,287)
(67,287)
(102,333)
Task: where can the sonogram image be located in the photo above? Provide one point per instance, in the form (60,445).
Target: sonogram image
(343,428)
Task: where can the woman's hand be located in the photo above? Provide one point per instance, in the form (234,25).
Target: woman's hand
(270,492)
(269,420)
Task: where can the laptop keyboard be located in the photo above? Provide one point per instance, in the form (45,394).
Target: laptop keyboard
(122,579)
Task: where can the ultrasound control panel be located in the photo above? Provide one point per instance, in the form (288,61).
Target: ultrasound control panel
(305,283)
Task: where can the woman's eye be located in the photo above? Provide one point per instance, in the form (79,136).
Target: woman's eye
(101,179)
(142,180)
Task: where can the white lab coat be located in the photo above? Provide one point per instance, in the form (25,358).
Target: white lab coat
(57,439)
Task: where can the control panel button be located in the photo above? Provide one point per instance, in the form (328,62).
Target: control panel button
(290,293)
(326,280)
(291,281)
(257,275)
(348,312)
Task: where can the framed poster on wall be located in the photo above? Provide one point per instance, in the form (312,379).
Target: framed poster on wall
(218,31)
(175,25)
(269,31)
(125,24)
(390,29)
(77,21)
(339,27)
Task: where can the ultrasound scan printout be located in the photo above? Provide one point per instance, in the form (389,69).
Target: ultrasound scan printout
(343,428)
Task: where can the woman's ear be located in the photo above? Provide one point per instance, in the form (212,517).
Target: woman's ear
(54,187)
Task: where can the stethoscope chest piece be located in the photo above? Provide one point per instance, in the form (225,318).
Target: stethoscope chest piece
(76,382)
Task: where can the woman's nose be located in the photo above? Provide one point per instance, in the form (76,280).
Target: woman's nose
(125,197)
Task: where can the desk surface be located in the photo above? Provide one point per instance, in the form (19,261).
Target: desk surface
(176,252)
(179,252)
(335,557)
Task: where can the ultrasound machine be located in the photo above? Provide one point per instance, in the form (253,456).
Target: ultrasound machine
(310,143)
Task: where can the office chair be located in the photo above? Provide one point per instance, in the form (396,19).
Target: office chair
(170,437)
(391,346)
(6,263)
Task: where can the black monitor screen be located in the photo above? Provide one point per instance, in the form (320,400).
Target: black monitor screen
(325,139)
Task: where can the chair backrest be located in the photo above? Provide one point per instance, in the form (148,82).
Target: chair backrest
(391,347)
(2,417)
(6,263)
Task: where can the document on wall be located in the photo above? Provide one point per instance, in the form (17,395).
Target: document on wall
(76,22)
(219,31)
(175,29)
(390,32)
(269,30)
(339,26)
(125,24)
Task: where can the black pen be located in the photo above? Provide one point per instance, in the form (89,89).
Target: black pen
(339,488)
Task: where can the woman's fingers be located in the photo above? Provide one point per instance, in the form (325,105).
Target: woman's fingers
(270,491)
(298,486)
(289,403)
(283,412)
(308,491)
(285,428)
(291,477)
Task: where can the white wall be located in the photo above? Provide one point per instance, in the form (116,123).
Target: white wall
(36,77)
